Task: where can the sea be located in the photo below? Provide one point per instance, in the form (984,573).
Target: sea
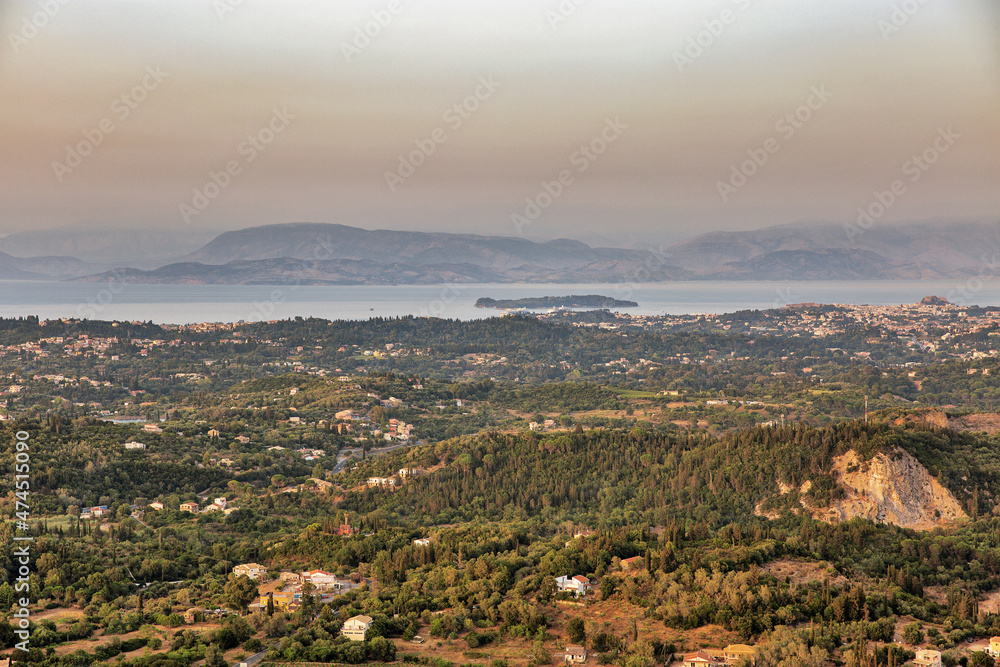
(187,304)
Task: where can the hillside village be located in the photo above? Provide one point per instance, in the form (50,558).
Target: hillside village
(632,496)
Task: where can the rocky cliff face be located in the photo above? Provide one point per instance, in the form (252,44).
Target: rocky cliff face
(890,488)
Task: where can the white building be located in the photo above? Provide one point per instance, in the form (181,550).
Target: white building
(355,628)
(578,585)
(928,658)
(320,578)
(252,570)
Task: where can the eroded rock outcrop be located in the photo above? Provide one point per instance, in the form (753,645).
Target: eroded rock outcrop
(890,488)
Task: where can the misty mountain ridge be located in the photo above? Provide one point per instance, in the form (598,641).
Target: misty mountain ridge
(319,241)
(44,268)
(106,247)
(832,251)
(331,254)
(335,254)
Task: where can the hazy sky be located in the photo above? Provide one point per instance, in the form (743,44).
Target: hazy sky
(183,84)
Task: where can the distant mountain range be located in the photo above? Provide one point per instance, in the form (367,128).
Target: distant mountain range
(44,268)
(108,248)
(329,254)
(827,251)
(332,254)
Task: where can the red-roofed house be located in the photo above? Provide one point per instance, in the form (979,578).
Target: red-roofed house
(578,585)
(634,563)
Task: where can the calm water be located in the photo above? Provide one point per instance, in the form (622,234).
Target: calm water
(182,304)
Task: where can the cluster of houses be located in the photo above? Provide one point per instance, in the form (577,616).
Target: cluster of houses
(547,424)
(711,657)
(356,628)
(326,584)
(200,614)
(306,453)
(397,429)
(382,482)
(219,504)
(736,653)
(396,480)
(95,512)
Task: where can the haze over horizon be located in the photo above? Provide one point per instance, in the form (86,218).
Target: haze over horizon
(544,81)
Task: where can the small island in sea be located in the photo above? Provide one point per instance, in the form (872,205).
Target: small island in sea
(574,301)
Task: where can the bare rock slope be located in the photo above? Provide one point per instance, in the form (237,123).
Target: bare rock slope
(890,488)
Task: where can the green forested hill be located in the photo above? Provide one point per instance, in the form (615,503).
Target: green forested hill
(618,477)
(501,510)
